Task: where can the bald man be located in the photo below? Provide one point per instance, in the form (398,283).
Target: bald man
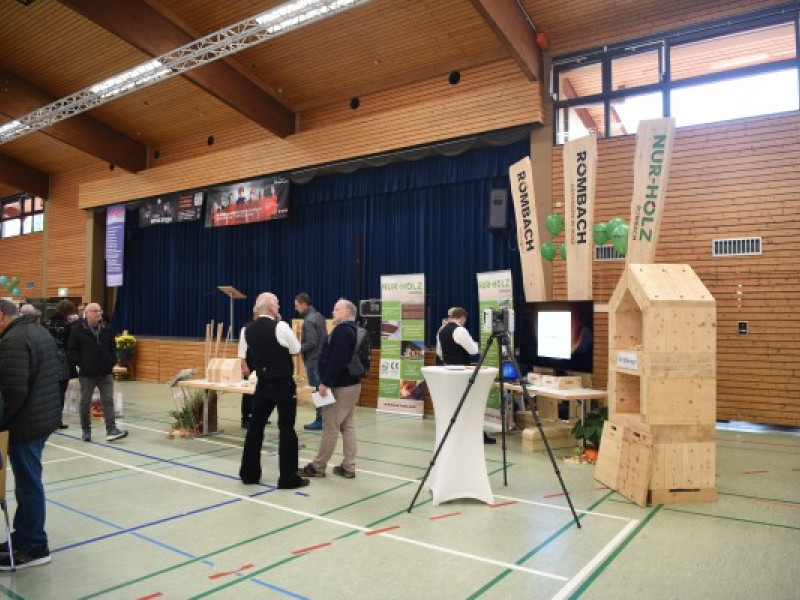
(92,349)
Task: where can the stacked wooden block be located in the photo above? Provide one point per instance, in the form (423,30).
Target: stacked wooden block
(659,443)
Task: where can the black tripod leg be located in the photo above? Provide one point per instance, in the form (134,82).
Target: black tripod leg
(538,422)
(452,421)
(502,411)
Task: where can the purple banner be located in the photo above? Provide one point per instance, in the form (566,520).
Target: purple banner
(115,237)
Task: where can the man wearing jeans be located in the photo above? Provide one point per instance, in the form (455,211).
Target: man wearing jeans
(314,334)
(31,411)
(335,376)
(92,349)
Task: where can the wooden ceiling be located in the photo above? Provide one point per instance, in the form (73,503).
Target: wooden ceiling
(52,48)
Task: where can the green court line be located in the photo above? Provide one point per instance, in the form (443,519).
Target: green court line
(246,577)
(610,558)
(10,594)
(758,498)
(238,544)
(738,519)
(490,584)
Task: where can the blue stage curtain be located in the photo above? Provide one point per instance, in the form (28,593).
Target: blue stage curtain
(343,232)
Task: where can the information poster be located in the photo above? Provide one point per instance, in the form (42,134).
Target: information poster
(494,292)
(115,239)
(401,385)
(172,208)
(247,202)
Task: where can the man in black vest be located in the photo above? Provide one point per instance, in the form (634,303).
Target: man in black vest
(455,346)
(270,345)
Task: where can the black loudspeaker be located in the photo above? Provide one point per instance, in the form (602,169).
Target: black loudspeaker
(498,209)
(373,327)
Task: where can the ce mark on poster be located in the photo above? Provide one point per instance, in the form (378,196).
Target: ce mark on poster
(390,368)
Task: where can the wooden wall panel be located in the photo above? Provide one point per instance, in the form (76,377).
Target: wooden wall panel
(21,257)
(491,97)
(735,179)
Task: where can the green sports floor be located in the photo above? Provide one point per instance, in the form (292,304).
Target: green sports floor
(149,517)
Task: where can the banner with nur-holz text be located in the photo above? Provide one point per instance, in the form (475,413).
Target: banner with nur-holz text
(494,292)
(401,385)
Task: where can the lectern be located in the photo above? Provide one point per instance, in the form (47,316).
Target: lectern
(233,294)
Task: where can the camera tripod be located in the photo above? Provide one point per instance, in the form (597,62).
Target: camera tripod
(504,343)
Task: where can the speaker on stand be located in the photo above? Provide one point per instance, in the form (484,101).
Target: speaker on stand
(498,209)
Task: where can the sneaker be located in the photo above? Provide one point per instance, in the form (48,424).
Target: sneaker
(313,426)
(342,472)
(487,439)
(24,559)
(115,434)
(310,471)
(63,426)
(86,436)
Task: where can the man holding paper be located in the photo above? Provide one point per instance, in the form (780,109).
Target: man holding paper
(270,345)
(335,378)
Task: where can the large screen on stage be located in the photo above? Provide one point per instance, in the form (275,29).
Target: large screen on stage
(558,335)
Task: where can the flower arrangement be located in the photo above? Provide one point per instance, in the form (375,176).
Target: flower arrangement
(125,340)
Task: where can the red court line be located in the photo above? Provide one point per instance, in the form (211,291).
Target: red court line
(218,575)
(795,469)
(454,514)
(554,495)
(786,504)
(753,472)
(151,596)
(384,530)
(603,487)
(310,548)
(502,504)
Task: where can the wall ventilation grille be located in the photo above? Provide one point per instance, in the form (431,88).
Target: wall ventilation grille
(736,247)
(604,253)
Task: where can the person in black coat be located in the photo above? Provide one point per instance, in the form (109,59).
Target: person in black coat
(92,349)
(59,325)
(31,411)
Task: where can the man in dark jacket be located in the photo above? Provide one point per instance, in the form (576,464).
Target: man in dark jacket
(346,388)
(92,349)
(314,334)
(31,411)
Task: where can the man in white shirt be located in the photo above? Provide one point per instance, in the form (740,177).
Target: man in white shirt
(270,346)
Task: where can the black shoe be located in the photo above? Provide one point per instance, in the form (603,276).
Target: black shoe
(303,482)
(63,426)
(115,434)
(86,436)
(24,559)
(487,439)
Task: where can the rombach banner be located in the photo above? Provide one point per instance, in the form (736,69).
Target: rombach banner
(115,238)
(172,208)
(247,202)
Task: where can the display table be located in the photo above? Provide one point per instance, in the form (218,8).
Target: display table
(460,470)
(210,397)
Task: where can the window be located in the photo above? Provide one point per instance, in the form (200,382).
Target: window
(21,215)
(734,68)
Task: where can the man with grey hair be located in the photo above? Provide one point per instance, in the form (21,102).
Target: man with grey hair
(31,411)
(31,311)
(346,388)
(270,344)
(92,349)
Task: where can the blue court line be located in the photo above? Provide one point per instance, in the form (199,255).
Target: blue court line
(189,555)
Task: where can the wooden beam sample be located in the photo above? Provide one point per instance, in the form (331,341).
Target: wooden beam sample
(144,28)
(509,24)
(19,97)
(24,177)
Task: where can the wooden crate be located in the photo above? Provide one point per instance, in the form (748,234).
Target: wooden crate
(558,436)
(571,382)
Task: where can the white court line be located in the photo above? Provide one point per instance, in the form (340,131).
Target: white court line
(328,520)
(596,560)
(57,460)
(408,479)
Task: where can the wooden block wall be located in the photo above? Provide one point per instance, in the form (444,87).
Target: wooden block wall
(732,179)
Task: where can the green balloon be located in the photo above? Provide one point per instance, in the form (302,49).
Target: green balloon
(554,223)
(562,251)
(600,233)
(619,238)
(548,251)
(613,222)
(15,281)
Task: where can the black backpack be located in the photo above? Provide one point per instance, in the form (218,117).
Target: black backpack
(359,362)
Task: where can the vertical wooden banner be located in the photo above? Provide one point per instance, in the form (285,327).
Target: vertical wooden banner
(654,141)
(521,176)
(580,176)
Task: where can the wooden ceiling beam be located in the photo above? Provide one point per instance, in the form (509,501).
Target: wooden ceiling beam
(24,177)
(506,19)
(144,28)
(19,97)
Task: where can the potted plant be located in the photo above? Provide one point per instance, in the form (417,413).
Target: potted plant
(189,417)
(125,344)
(589,432)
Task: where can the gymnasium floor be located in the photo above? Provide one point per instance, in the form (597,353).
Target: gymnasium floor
(149,517)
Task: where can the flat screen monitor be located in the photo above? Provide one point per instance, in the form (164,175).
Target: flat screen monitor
(557,335)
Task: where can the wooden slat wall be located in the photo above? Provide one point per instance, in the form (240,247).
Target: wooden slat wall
(736,179)
(491,97)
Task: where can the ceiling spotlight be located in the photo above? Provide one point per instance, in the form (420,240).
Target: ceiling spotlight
(454,78)
(355,103)
(210,140)
(156,154)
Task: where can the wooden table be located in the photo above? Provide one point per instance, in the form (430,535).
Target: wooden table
(210,397)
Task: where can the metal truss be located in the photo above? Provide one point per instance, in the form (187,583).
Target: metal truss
(219,44)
